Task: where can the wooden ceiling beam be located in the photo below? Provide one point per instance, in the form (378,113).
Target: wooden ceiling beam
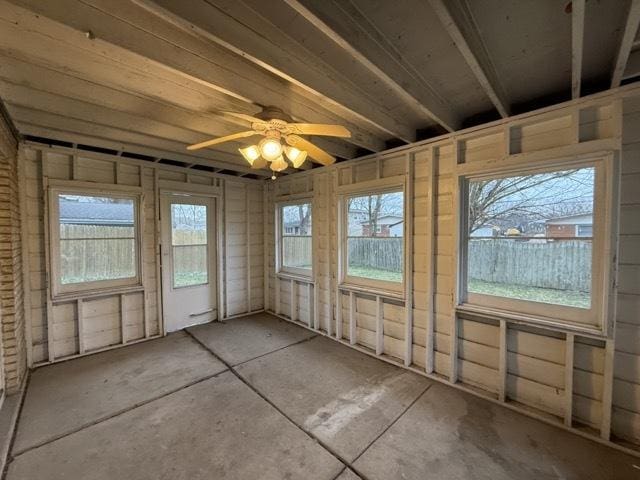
(457,20)
(124,33)
(28,119)
(345,25)
(577,43)
(18,75)
(268,47)
(626,43)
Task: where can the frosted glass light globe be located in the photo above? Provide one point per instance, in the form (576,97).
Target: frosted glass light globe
(270,149)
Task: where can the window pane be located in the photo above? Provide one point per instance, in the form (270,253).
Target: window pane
(189,245)
(529,237)
(296,236)
(97,238)
(375,244)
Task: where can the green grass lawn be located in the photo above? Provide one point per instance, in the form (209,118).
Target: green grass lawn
(535,294)
(185,279)
(375,273)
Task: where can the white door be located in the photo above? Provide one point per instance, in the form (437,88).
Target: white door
(188,260)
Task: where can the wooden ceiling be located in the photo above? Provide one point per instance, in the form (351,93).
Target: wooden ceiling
(146,78)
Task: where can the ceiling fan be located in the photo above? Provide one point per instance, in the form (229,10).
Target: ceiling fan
(281,139)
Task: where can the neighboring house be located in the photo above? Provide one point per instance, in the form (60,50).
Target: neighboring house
(383,226)
(397,229)
(90,213)
(485,231)
(570,226)
(295,228)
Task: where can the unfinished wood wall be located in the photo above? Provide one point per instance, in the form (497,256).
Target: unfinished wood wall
(626,384)
(88,323)
(563,377)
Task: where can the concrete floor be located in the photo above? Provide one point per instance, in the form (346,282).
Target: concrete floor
(259,398)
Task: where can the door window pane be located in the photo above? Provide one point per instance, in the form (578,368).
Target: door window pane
(375,231)
(296,236)
(189,241)
(530,237)
(97,238)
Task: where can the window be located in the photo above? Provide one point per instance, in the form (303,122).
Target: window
(374,225)
(94,241)
(189,240)
(295,240)
(528,244)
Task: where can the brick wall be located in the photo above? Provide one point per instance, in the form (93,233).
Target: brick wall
(11,289)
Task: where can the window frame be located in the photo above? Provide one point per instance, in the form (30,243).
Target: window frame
(385,287)
(74,290)
(597,320)
(282,269)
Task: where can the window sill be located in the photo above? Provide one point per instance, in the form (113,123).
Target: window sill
(372,291)
(530,320)
(103,292)
(296,277)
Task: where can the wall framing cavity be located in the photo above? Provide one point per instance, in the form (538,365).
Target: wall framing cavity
(60,329)
(588,383)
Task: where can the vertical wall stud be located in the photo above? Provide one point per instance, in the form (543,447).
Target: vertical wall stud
(293,300)
(248,240)
(352,318)
(379,326)
(45,196)
(265,248)
(123,318)
(431,212)
(607,389)
(311,294)
(408,264)
(458,224)
(80,312)
(157,236)
(568,379)
(453,355)
(277,295)
(338,313)
(502,366)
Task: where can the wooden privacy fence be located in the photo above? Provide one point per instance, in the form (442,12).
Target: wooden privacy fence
(382,253)
(100,252)
(296,251)
(563,265)
(96,252)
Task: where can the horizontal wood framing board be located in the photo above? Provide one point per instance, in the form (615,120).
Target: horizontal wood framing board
(568,378)
(86,323)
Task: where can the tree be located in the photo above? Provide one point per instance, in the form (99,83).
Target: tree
(373,207)
(524,200)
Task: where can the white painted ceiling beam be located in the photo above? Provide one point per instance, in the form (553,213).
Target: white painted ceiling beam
(270,48)
(123,32)
(459,24)
(349,28)
(626,42)
(577,43)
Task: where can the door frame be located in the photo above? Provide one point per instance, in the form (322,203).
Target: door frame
(218,208)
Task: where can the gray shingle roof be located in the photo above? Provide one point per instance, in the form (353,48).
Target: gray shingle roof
(89,213)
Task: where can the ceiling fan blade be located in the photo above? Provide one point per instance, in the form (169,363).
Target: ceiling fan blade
(215,141)
(314,152)
(319,129)
(243,116)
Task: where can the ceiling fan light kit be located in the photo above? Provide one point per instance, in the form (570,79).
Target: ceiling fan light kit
(270,148)
(276,126)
